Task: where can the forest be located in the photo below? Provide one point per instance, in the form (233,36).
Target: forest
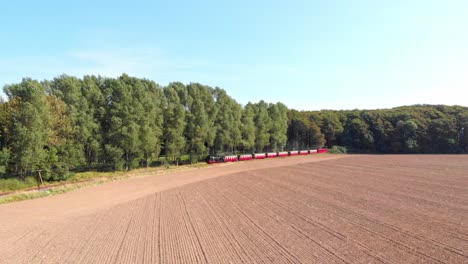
(69,124)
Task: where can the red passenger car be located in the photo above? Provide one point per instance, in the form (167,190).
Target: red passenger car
(259,155)
(232,158)
(245,157)
(271,155)
(293,153)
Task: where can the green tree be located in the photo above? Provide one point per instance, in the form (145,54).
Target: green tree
(303,133)
(62,153)
(67,105)
(121,123)
(197,128)
(200,116)
(248,128)
(442,134)
(278,114)
(330,126)
(82,99)
(151,120)
(357,135)
(174,122)
(262,124)
(29,132)
(405,136)
(227,122)
(92,116)
(382,131)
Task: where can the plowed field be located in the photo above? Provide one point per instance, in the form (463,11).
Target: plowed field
(310,209)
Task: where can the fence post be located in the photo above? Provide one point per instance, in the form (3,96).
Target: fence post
(39,176)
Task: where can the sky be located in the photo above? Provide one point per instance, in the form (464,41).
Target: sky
(310,55)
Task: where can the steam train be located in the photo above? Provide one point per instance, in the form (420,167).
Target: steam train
(262,155)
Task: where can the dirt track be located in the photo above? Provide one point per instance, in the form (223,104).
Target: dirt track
(312,209)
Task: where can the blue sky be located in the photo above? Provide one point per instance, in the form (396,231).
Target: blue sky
(307,54)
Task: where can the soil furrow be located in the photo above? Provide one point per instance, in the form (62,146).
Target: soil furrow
(345,212)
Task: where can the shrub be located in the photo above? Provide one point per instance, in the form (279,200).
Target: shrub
(166,164)
(56,174)
(338,150)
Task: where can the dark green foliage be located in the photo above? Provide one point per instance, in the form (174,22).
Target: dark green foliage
(303,133)
(330,126)
(405,136)
(357,135)
(408,129)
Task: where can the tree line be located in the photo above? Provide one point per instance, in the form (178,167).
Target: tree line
(68,123)
(409,129)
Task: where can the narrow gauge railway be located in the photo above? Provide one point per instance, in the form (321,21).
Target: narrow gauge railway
(262,155)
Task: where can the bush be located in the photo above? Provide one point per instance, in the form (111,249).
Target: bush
(338,150)
(166,164)
(57,173)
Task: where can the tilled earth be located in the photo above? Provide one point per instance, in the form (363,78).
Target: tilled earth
(311,209)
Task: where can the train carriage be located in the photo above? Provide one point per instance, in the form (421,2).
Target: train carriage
(293,153)
(271,155)
(259,155)
(244,157)
(231,158)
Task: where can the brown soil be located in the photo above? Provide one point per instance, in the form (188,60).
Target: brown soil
(308,209)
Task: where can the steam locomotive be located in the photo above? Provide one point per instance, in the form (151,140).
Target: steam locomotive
(262,155)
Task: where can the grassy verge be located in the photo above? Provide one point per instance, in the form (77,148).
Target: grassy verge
(8,185)
(34,194)
(77,181)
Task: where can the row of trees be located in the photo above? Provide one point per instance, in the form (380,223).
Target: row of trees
(409,129)
(121,123)
(70,123)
